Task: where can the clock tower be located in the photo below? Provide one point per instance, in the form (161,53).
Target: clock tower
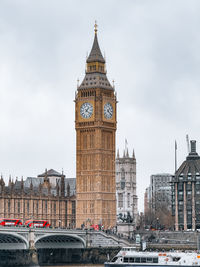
(95,123)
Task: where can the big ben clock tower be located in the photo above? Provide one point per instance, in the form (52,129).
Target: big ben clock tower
(95,121)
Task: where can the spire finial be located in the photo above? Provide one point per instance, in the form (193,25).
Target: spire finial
(113,81)
(95,27)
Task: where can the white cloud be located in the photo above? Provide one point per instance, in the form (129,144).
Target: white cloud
(152,52)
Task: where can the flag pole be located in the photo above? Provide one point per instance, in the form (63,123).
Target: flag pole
(175,156)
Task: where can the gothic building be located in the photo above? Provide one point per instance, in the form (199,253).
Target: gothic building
(186,192)
(126,186)
(95,123)
(46,197)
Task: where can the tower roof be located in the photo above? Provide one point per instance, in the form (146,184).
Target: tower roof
(95,54)
(95,76)
(191,165)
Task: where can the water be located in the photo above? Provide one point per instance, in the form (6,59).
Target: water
(78,265)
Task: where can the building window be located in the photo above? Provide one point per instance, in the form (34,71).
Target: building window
(84,207)
(27,207)
(46,206)
(8,205)
(73,214)
(122,183)
(91,208)
(85,141)
(120,200)
(122,174)
(54,207)
(18,206)
(37,209)
(66,213)
(128,200)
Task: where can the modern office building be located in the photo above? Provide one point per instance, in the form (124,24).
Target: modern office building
(160,191)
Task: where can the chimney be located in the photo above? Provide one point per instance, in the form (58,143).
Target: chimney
(193,155)
(193,146)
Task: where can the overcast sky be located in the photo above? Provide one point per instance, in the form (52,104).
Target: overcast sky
(152,50)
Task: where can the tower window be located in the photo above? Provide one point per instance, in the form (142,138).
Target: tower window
(120,200)
(128,200)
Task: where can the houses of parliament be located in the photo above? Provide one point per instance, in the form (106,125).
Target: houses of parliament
(91,197)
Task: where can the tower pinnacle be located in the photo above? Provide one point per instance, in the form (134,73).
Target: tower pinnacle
(95,27)
(95,53)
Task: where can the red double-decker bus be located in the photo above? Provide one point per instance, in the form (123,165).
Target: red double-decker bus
(10,222)
(37,223)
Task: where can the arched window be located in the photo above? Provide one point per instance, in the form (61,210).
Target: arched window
(122,174)
(122,178)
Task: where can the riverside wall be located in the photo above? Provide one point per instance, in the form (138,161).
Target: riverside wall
(19,258)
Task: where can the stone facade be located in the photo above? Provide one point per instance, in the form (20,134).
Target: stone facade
(186,192)
(127,200)
(95,123)
(46,197)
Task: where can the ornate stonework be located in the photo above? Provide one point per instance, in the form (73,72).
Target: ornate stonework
(46,197)
(95,122)
(127,200)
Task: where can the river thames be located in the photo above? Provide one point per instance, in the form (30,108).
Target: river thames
(77,265)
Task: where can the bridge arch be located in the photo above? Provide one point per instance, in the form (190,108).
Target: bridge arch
(13,241)
(60,241)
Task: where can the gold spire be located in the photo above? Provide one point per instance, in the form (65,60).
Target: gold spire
(95,27)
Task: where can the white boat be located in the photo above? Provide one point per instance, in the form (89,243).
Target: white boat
(128,257)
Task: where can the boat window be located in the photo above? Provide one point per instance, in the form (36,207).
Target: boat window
(131,260)
(143,259)
(176,258)
(137,259)
(114,259)
(155,260)
(149,259)
(125,259)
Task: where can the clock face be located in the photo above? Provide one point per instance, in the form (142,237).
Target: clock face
(108,111)
(86,110)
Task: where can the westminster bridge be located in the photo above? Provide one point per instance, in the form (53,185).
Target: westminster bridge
(21,238)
